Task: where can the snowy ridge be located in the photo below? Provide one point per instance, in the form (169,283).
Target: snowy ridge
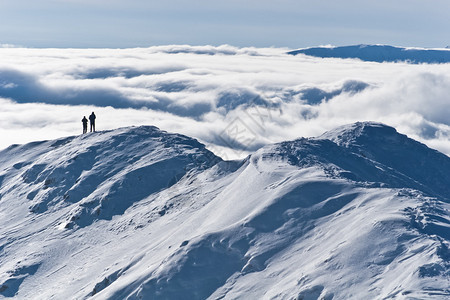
(413,163)
(138,213)
(92,169)
(380,53)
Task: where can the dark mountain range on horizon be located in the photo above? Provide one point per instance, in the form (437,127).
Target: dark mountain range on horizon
(379,53)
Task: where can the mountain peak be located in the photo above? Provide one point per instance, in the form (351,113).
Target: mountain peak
(379,53)
(383,146)
(370,153)
(352,134)
(117,167)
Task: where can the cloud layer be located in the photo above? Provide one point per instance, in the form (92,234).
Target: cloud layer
(233,99)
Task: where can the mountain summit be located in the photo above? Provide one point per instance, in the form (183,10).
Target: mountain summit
(360,212)
(380,53)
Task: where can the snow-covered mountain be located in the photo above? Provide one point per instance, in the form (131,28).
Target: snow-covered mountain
(380,53)
(361,212)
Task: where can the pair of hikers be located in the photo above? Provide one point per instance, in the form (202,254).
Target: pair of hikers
(91,121)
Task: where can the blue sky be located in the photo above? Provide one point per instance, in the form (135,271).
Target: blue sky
(262,23)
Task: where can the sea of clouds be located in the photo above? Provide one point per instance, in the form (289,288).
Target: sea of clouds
(235,100)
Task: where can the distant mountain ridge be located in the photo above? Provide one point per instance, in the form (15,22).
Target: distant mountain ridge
(361,212)
(379,53)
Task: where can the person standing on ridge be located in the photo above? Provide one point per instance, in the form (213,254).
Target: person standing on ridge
(84,120)
(92,121)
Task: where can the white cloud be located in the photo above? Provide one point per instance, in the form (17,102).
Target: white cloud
(204,91)
(8,46)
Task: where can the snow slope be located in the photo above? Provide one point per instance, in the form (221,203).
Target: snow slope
(361,212)
(380,53)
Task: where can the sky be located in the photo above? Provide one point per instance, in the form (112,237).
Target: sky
(235,100)
(243,23)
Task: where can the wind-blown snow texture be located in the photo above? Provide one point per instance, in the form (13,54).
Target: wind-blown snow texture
(380,53)
(361,212)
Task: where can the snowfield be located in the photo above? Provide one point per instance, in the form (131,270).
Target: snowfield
(361,212)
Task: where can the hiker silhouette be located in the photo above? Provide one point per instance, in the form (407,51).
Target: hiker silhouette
(92,121)
(84,121)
